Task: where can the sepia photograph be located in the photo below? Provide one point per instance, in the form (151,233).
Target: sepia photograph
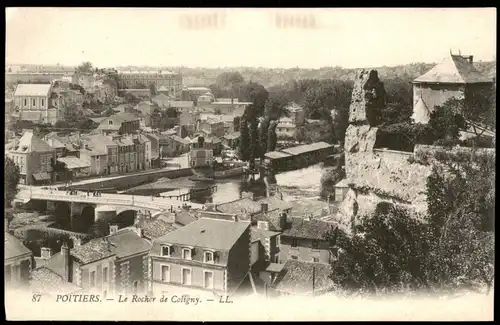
(266,164)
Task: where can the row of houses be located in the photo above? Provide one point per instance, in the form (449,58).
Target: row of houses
(83,155)
(204,252)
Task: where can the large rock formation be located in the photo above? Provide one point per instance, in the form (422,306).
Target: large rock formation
(368,98)
(375,175)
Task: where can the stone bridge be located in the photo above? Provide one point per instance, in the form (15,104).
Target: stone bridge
(83,205)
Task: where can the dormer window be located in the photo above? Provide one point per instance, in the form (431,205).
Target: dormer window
(110,122)
(186,253)
(208,257)
(166,250)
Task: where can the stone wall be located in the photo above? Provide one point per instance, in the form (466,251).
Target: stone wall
(126,182)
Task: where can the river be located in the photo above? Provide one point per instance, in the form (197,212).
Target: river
(301,184)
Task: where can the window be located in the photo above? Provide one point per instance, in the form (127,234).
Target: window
(104,274)
(33,102)
(186,253)
(295,242)
(25,102)
(42,103)
(165,273)
(208,257)
(315,259)
(294,257)
(92,279)
(186,276)
(278,240)
(315,244)
(110,122)
(165,250)
(208,279)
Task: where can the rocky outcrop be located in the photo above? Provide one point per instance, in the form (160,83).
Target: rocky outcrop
(359,138)
(368,98)
(375,175)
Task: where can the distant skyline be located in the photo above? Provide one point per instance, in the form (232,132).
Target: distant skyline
(349,38)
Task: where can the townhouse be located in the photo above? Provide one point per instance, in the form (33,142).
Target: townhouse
(117,263)
(208,256)
(122,123)
(34,158)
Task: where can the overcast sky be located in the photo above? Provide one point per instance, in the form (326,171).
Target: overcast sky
(351,38)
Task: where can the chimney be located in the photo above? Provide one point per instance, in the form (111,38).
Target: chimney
(45,253)
(263,207)
(113,229)
(283,220)
(471,59)
(65,255)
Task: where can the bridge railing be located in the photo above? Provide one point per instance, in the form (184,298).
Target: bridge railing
(112,199)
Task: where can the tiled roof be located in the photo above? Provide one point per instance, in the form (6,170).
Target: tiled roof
(207,233)
(240,206)
(179,139)
(45,281)
(455,69)
(275,203)
(14,247)
(31,143)
(94,250)
(297,277)
(305,228)
(156,228)
(185,217)
(33,90)
(124,243)
(55,143)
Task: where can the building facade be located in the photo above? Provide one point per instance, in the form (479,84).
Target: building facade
(17,261)
(34,157)
(208,256)
(455,77)
(131,79)
(36,103)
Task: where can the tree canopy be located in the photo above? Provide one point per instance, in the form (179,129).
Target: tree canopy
(451,247)
(85,67)
(11,179)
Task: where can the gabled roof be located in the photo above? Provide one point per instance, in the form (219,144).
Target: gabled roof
(297,277)
(43,280)
(305,228)
(14,247)
(33,90)
(207,233)
(240,206)
(31,143)
(455,69)
(126,242)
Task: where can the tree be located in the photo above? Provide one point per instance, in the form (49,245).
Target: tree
(131,98)
(254,141)
(272,138)
(152,89)
(236,123)
(326,95)
(11,178)
(446,122)
(255,93)
(340,124)
(85,67)
(226,80)
(263,130)
(275,105)
(244,147)
(451,247)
